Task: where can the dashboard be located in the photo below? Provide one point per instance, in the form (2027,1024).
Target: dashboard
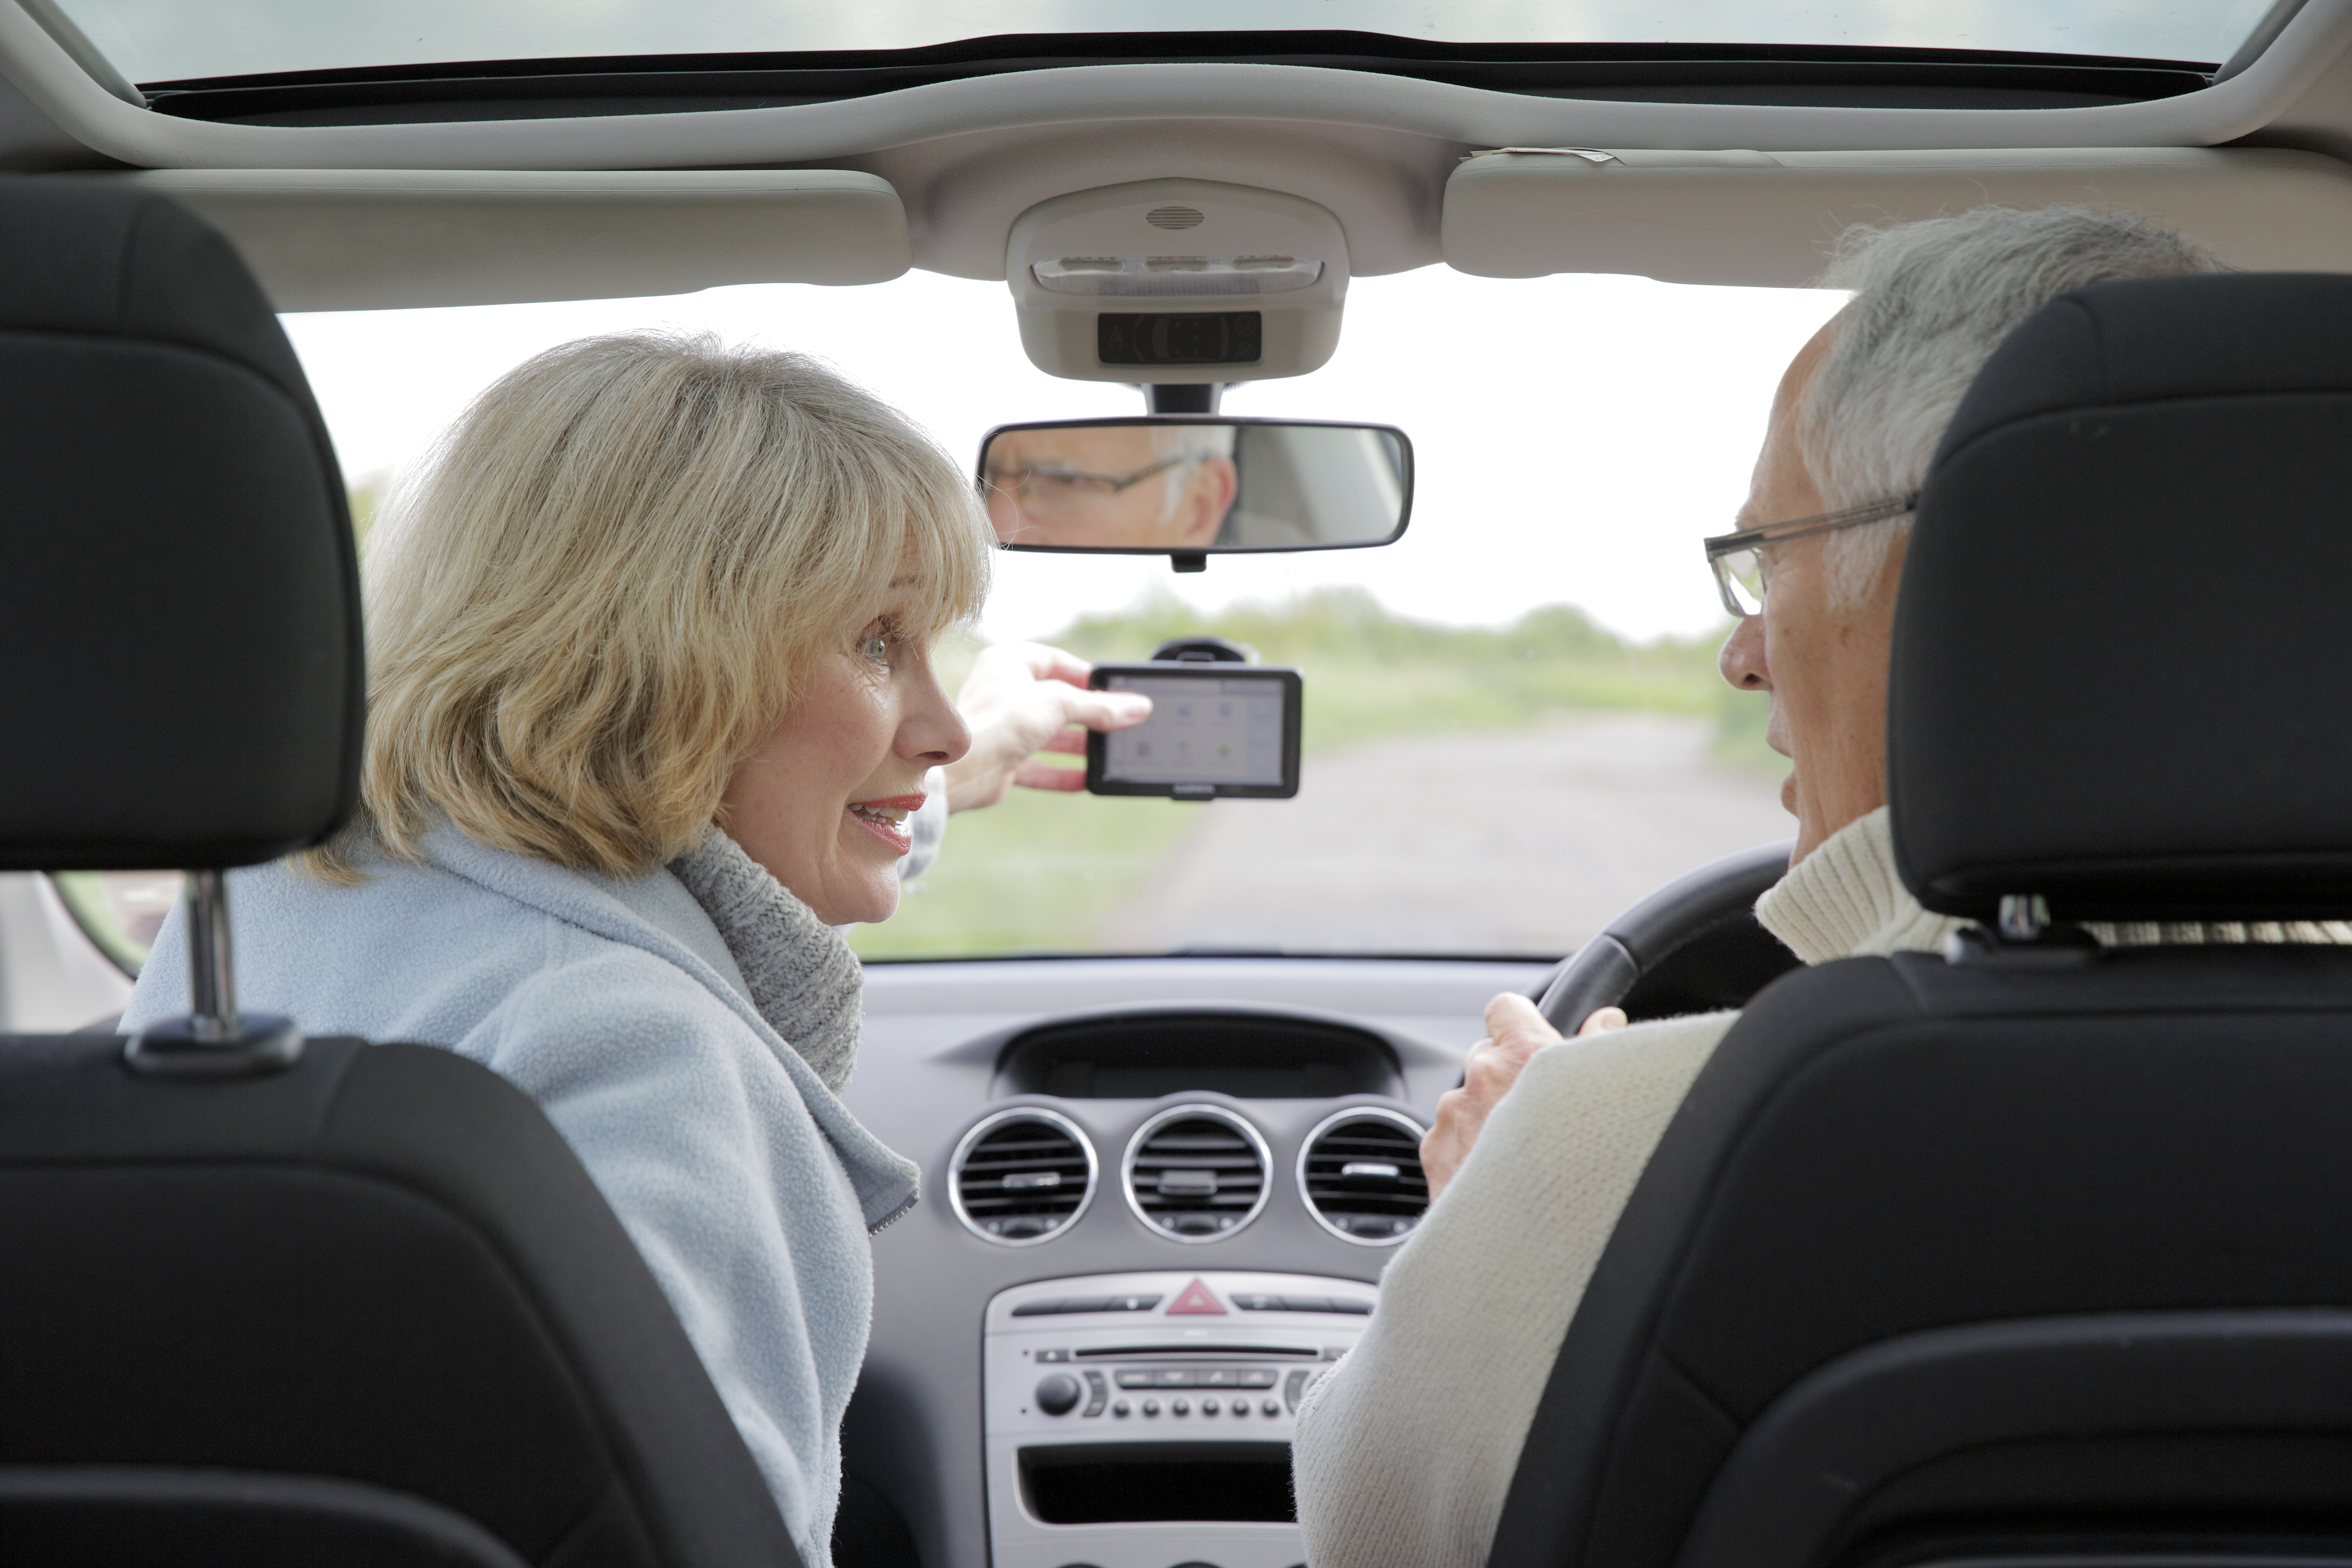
(1158,1196)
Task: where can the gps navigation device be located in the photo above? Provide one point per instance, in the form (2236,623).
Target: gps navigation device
(1215,730)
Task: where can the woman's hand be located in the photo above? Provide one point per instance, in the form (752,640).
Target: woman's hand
(1021,699)
(1515,1031)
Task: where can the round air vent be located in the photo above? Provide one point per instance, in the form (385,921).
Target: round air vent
(1021,1176)
(1196,1173)
(1361,1174)
(1172,218)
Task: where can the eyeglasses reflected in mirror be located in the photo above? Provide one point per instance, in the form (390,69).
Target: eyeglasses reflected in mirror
(1179,485)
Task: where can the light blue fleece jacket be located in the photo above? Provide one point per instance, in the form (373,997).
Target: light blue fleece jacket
(615,1004)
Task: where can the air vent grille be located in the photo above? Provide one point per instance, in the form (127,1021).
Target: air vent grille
(1361,1174)
(1021,1176)
(1197,1173)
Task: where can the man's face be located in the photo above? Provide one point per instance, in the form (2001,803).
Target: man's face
(1823,661)
(1104,487)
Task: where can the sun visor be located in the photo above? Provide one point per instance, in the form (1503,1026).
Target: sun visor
(1768,218)
(362,239)
(1176,281)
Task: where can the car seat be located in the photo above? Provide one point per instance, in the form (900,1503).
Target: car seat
(266,1300)
(2033,1253)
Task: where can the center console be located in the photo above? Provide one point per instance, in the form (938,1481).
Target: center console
(1144,1420)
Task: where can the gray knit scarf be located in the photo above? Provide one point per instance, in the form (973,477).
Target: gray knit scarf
(804,980)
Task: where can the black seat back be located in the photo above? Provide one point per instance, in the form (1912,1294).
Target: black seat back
(2040,1256)
(364,1307)
(1889,1151)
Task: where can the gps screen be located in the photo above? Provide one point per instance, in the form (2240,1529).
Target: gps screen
(1224,729)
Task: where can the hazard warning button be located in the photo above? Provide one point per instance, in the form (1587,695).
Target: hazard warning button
(1195,1299)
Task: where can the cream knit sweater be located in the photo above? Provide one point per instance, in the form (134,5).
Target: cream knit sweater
(1404,1451)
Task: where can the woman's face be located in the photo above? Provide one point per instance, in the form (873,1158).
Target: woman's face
(822,804)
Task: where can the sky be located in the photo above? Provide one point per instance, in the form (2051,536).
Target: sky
(1575,435)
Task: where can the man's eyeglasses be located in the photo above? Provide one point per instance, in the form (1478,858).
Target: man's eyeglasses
(1738,559)
(1053,489)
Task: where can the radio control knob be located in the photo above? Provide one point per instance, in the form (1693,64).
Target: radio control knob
(1057,1394)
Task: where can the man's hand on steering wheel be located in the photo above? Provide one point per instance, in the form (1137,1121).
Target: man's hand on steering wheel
(1514,1032)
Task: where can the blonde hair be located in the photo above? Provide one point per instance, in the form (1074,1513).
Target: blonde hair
(611,580)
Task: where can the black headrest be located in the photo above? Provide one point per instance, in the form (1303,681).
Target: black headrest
(2120,657)
(181,682)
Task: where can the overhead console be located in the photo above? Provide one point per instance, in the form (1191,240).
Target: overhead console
(1178,282)
(1184,288)
(1768,218)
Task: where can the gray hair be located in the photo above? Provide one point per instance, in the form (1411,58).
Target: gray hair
(1187,441)
(1932,300)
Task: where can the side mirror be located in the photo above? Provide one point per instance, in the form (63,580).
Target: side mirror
(1193,486)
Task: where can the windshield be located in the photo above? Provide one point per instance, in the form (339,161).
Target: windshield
(1513,723)
(174,40)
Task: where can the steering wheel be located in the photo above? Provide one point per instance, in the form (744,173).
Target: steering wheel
(1692,946)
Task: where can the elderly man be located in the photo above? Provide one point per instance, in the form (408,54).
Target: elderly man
(1405,1451)
(1129,487)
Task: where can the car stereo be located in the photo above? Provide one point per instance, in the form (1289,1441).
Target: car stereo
(1144,1420)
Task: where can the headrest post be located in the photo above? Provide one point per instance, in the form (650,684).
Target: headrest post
(212,972)
(2024,917)
(2022,938)
(212,1039)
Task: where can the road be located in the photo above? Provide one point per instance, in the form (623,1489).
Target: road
(1522,841)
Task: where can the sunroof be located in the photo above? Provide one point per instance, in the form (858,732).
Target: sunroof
(178,40)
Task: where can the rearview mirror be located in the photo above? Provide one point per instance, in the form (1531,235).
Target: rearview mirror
(1190,486)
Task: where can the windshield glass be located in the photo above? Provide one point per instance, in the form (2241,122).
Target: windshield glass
(172,40)
(1513,723)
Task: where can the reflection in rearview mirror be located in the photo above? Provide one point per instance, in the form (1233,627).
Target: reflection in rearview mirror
(1182,485)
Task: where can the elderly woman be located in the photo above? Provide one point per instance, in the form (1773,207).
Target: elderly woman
(651,706)
(1404,1452)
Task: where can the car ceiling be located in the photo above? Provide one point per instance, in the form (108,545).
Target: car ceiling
(967,156)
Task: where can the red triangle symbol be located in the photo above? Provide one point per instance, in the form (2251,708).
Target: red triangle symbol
(1196,1298)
